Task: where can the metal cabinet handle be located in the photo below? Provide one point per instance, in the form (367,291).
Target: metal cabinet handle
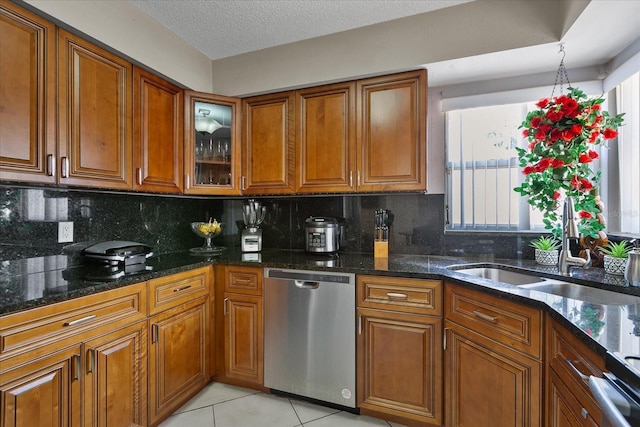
(92,360)
(187,181)
(224,306)
(78,321)
(580,375)
(154,333)
(444,339)
(350,178)
(584,413)
(242,179)
(360,325)
(64,173)
(182,288)
(139,175)
(396,295)
(75,366)
(358,178)
(51,164)
(485,316)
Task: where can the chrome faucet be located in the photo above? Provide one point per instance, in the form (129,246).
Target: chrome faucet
(570,231)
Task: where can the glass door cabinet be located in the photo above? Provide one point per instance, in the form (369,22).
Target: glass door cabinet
(212,144)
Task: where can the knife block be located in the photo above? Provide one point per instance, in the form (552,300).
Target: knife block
(380,249)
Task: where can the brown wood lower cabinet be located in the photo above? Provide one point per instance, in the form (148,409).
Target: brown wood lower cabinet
(493,360)
(43,392)
(115,383)
(243,337)
(399,347)
(178,365)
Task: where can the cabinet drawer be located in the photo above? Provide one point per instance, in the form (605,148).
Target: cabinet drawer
(400,294)
(515,325)
(171,291)
(243,280)
(572,360)
(34,328)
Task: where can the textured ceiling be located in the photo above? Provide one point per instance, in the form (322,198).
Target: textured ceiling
(222,28)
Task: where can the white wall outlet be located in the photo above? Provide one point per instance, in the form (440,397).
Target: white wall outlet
(65,231)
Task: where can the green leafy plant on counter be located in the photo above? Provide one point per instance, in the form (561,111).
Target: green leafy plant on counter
(545,243)
(617,250)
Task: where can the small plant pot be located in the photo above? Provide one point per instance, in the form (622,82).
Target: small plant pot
(547,257)
(614,265)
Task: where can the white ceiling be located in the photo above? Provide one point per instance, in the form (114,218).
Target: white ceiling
(223,28)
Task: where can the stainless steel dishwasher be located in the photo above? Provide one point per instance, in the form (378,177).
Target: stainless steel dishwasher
(309,334)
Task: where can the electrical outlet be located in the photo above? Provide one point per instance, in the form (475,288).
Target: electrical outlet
(65,231)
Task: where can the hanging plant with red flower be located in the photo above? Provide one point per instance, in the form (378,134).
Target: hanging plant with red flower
(563,133)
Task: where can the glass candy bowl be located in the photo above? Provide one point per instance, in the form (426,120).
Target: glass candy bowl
(207,230)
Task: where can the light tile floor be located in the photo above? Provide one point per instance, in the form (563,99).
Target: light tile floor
(222,405)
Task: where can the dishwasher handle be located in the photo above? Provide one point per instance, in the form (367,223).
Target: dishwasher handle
(306,284)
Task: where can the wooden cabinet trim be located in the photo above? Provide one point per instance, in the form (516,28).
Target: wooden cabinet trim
(243,280)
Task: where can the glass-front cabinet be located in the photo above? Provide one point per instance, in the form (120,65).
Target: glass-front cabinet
(212,144)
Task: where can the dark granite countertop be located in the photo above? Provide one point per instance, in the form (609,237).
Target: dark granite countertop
(611,325)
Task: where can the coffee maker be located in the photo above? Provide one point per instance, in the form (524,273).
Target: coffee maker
(252,215)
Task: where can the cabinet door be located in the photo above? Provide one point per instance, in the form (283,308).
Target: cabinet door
(268,149)
(178,353)
(391,132)
(211,144)
(400,366)
(44,392)
(325,138)
(27,96)
(115,378)
(243,333)
(489,385)
(94,115)
(563,409)
(158,136)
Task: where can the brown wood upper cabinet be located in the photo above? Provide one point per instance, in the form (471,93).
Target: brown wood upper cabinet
(212,153)
(391,132)
(94,112)
(158,138)
(325,138)
(364,136)
(268,144)
(27,96)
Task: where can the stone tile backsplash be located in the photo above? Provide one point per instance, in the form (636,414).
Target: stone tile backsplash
(29,222)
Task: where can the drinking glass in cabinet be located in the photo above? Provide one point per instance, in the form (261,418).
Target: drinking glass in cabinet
(212,124)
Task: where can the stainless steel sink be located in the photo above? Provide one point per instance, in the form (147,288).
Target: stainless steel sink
(499,275)
(583,293)
(533,282)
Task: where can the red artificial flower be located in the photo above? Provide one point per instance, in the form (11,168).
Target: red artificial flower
(584,158)
(568,135)
(585,214)
(556,195)
(546,127)
(535,122)
(554,116)
(594,136)
(544,164)
(586,184)
(525,133)
(542,103)
(528,169)
(555,135)
(595,107)
(609,133)
(570,104)
(540,134)
(577,129)
(593,154)
(557,163)
(532,145)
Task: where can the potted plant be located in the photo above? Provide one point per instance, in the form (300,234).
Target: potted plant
(615,256)
(546,250)
(562,135)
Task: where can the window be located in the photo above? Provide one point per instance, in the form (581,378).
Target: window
(482,167)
